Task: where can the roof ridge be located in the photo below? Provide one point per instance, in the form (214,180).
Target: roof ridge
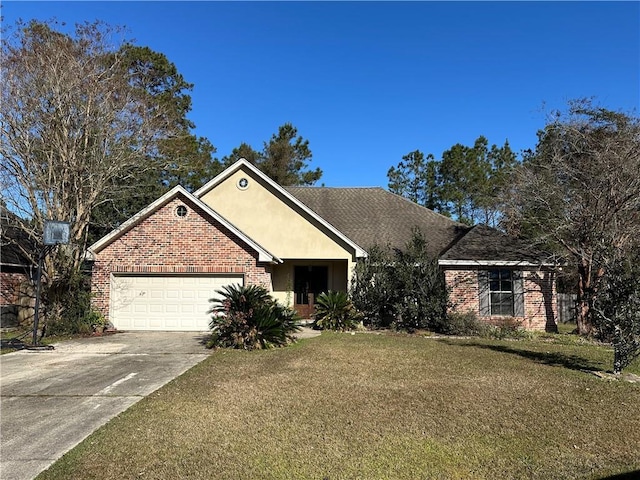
(316,187)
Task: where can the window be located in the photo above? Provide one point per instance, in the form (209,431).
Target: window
(501,292)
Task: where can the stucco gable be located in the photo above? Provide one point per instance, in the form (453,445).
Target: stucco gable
(277,219)
(263,254)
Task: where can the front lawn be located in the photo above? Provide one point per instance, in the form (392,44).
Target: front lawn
(377,407)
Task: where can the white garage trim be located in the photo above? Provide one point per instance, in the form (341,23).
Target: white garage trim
(165,302)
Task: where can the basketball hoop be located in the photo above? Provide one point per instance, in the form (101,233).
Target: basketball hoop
(55,233)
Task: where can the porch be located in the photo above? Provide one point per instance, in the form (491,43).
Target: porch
(298,282)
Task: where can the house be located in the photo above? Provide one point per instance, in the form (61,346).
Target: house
(159,269)
(17,274)
(501,278)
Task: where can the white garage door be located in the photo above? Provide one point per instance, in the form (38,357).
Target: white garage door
(176,302)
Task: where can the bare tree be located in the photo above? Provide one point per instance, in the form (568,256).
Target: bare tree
(578,193)
(73,125)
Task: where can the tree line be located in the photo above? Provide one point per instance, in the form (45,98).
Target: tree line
(94,128)
(466,184)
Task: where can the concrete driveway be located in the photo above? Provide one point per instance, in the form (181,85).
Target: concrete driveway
(52,400)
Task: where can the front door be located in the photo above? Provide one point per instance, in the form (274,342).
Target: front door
(309,282)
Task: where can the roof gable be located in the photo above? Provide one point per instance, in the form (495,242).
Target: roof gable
(286,197)
(263,254)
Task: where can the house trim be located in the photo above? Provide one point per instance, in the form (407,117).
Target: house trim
(491,263)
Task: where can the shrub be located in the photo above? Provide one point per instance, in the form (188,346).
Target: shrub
(372,288)
(617,309)
(66,306)
(249,318)
(423,297)
(469,324)
(506,330)
(463,323)
(334,311)
(404,289)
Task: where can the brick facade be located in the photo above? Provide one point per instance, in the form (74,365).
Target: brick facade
(10,283)
(16,296)
(165,243)
(540,302)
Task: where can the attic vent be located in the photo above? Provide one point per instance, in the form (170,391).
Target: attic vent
(181,211)
(243,183)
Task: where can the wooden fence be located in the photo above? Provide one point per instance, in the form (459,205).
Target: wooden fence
(567,307)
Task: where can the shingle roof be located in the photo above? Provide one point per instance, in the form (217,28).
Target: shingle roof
(371,216)
(483,243)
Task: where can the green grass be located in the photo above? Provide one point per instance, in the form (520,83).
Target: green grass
(370,406)
(566,328)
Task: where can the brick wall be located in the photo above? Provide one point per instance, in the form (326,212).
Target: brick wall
(10,283)
(165,243)
(540,307)
(16,297)
(540,300)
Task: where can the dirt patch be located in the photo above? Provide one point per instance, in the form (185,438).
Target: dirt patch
(625,377)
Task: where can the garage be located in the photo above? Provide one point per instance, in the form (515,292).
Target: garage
(165,302)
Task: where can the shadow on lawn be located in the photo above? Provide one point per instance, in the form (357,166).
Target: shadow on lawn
(623,476)
(556,359)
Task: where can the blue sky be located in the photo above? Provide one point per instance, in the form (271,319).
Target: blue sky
(368,82)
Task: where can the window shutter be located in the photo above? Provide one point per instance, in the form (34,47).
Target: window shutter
(484,294)
(518,293)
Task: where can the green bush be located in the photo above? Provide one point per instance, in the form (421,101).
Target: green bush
(249,318)
(500,332)
(334,311)
(464,324)
(617,308)
(404,289)
(66,306)
(373,288)
(469,324)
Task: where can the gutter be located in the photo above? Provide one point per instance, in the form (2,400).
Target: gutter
(492,263)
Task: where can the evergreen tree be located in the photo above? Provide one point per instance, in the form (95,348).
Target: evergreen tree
(284,158)
(467,183)
(179,159)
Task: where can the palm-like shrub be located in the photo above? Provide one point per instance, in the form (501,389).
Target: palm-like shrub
(249,318)
(334,311)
